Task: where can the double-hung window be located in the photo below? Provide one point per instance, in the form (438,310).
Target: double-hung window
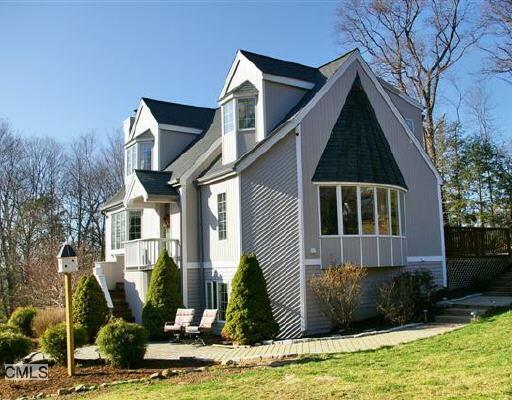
(217,298)
(221,216)
(134,225)
(363,210)
(139,156)
(131,159)
(145,150)
(247,113)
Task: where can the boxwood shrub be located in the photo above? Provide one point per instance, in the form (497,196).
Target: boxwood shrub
(22,318)
(13,346)
(53,341)
(123,344)
(89,306)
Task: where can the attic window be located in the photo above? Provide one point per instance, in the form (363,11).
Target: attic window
(246,113)
(228,117)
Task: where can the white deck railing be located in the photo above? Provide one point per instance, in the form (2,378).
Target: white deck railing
(142,254)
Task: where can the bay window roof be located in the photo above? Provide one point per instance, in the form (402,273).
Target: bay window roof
(357,150)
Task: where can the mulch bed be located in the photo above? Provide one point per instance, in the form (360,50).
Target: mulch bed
(94,375)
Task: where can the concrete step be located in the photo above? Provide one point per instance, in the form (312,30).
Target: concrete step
(453,319)
(463,312)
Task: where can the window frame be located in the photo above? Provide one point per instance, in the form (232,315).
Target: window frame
(222,227)
(133,153)
(237,113)
(400,196)
(231,103)
(120,230)
(213,299)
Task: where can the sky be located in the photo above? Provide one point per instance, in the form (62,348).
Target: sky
(72,68)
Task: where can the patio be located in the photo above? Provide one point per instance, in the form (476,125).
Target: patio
(289,348)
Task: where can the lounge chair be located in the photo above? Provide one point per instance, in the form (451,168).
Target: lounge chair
(206,325)
(184,317)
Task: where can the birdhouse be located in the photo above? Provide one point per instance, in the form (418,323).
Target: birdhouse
(67,260)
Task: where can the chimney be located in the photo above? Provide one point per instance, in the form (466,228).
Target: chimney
(127,126)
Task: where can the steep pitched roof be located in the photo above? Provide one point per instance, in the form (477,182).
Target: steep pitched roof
(155,182)
(180,114)
(357,150)
(274,66)
(187,158)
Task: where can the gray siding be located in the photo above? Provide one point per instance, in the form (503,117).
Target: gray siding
(435,268)
(270,229)
(422,206)
(195,291)
(279,100)
(316,321)
(409,111)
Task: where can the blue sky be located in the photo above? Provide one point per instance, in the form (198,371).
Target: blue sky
(70,68)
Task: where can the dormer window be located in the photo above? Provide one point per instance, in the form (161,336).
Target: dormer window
(139,156)
(246,113)
(228,117)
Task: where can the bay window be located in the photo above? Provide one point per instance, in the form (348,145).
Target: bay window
(139,156)
(228,117)
(365,210)
(124,224)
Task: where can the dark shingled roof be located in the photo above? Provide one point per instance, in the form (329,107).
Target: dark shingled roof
(180,114)
(188,157)
(357,150)
(274,66)
(155,182)
(66,251)
(115,200)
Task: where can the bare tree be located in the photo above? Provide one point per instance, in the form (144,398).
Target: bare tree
(499,17)
(413,43)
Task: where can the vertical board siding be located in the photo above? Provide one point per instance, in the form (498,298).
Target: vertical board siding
(352,250)
(195,292)
(270,229)
(331,251)
(385,251)
(370,255)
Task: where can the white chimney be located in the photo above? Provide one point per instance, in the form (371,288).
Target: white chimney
(127,126)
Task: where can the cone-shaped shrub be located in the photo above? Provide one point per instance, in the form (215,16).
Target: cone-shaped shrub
(249,316)
(89,306)
(164,295)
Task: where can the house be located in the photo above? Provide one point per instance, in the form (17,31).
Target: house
(305,166)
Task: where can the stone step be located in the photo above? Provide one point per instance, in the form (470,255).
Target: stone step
(453,319)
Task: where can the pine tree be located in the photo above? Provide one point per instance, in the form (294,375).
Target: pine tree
(89,305)
(164,295)
(249,316)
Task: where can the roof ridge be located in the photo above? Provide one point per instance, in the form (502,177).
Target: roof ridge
(339,57)
(278,59)
(178,104)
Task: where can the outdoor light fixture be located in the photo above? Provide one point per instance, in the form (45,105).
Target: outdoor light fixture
(68,263)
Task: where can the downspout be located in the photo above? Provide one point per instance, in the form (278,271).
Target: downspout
(200,242)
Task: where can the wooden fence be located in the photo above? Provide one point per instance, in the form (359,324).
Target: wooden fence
(477,242)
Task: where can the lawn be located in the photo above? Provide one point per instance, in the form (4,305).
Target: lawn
(474,363)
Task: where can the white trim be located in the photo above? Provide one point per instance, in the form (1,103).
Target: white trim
(183,242)
(312,261)
(239,187)
(425,259)
(300,215)
(366,184)
(179,128)
(289,81)
(390,88)
(441,229)
(231,73)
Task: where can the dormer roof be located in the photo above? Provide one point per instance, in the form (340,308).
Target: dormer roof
(180,114)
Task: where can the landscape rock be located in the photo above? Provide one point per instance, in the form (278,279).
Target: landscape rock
(64,391)
(156,375)
(167,373)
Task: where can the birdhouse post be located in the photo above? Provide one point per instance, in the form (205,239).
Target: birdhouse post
(68,263)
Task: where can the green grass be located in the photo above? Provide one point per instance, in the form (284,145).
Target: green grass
(472,363)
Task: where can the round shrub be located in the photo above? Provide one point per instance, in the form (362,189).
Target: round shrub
(6,328)
(123,344)
(249,316)
(22,318)
(89,305)
(13,346)
(164,295)
(53,341)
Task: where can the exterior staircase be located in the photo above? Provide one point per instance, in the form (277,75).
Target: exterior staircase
(460,313)
(501,285)
(121,308)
